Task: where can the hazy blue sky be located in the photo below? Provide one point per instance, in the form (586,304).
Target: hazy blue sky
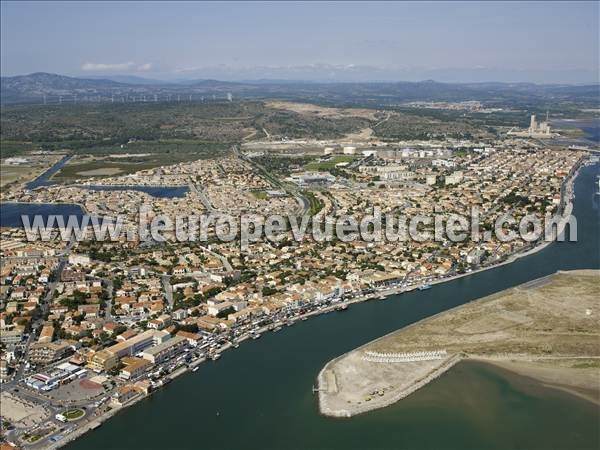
(470,41)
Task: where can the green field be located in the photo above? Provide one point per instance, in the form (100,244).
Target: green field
(73,414)
(260,195)
(316,204)
(329,164)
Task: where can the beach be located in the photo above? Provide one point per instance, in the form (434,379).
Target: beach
(529,329)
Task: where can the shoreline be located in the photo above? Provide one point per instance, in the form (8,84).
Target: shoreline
(567,196)
(509,364)
(80,205)
(560,379)
(544,369)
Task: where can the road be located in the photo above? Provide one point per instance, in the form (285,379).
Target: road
(44,308)
(166,282)
(303,202)
(387,117)
(110,289)
(201,195)
(224,260)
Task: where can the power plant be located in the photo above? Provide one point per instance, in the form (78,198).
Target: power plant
(535,130)
(542,128)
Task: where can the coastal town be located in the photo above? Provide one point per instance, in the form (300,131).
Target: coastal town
(305,225)
(90,327)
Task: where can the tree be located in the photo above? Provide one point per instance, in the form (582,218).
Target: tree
(267,290)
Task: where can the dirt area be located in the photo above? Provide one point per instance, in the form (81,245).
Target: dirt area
(547,329)
(363,135)
(20,412)
(128,155)
(27,171)
(10,173)
(322,111)
(557,315)
(354,385)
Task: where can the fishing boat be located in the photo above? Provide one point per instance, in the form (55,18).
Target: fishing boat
(195,369)
(424,287)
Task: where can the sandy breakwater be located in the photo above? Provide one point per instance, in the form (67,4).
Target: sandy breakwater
(548,327)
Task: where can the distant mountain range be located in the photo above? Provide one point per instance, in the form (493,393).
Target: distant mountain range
(52,88)
(39,87)
(127,79)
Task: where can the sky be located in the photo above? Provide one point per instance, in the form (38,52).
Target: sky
(543,42)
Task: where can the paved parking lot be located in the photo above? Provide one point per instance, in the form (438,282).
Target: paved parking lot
(77,390)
